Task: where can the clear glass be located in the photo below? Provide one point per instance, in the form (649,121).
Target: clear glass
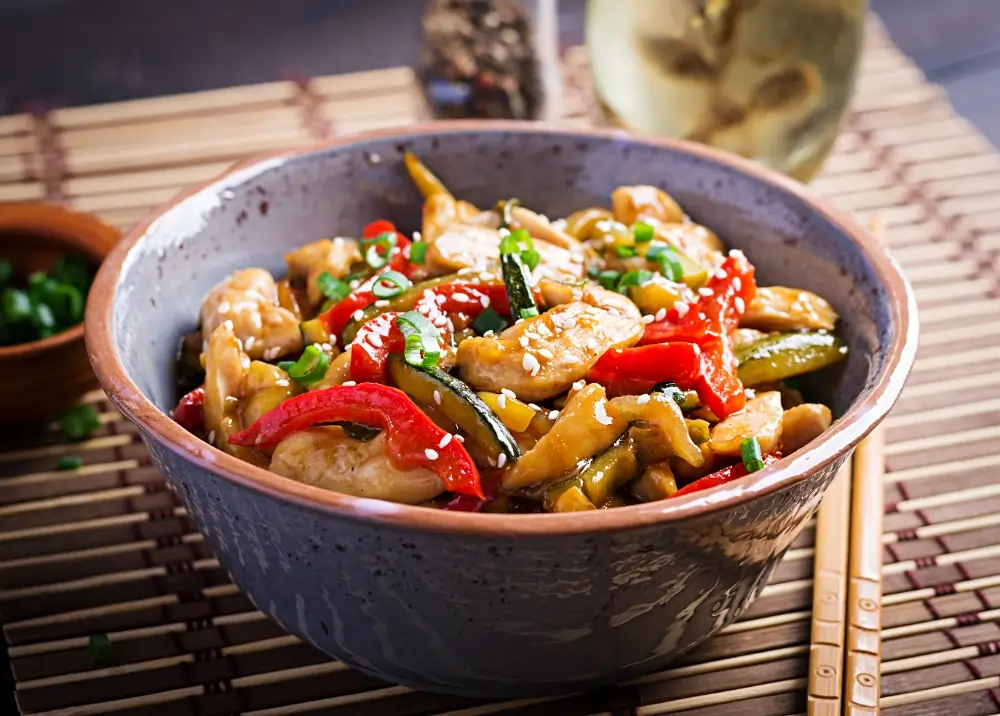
(767,79)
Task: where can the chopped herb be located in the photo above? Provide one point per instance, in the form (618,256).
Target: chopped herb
(390,284)
(309,368)
(418,252)
(79,422)
(634,278)
(752,458)
(423,340)
(69,462)
(608,279)
(667,258)
(489,320)
(625,252)
(643,232)
(334,289)
(529,312)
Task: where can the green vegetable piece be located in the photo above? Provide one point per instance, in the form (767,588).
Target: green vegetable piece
(625,252)
(608,279)
(752,458)
(74,270)
(489,320)
(643,232)
(423,340)
(69,462)
(16,306)
(333,288)
(787,355)
(100,650)
(418,252)
(686,399)
(517,279)
(309,368)
(6,272)
(633,278)
(43,320)
(390,284)
(610,470)
(79,422)
(669,261)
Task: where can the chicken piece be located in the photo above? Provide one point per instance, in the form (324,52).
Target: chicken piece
(309,262)
(338,373)
(761,418)
(326,457)
(694,240)
(540,228)
(461,246)
(248,299)
(670,435)
(802,424)
(633,203)
(226,369)
(556,293)
(542,357)
(777,308)
(656,483)
(266,387)
(582,224)
(583,430)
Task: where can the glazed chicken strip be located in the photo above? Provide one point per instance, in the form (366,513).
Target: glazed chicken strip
(802,424)
(633,203)
(326,457)
(777,308)
(248,299)
(332,256)
(543,356)
(226,370)
(659,411)
(698,242)
(761,418)
(541,228)
(467,246)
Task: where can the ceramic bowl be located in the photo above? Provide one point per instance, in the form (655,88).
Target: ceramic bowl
(40,378)
(492,605)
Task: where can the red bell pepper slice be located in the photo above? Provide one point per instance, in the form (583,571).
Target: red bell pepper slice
(190,410)
(411,438)
(721,477)
(340,314)
(469,503)
(627,371)
(371,348)
(400,261)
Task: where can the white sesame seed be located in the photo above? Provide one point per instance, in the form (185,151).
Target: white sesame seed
(282,382)
(272,353)
(445,440)
(533,406)
(354,284)
(530,363)
(375,340)
(485,300)
(701,316)
(423,310)
(538,367)
(461,297)
(440,321)
(642,399)
(417,236)
(358,315)
(532,335)
(601,413)
(682,308)
(244,361)
(224,307)
(466,271)
(736,254)
(553,414)
(706,292)
(250,341)
(545,353)
(523,340)
(349,383)
(518,321)
(737,283)
(592,343)
(486,276)
(739,304)
(509,393)
(437,397)
(647,319)
(381,304)
(325,346)
(502,460)
(488,334)
(502,401)
(720,274)
(660,314)
(459,438)
(578,385)
(750,393)
(211,436)
(228,324)
(431,454)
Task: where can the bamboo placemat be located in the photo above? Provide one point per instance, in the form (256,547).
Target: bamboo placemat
(111,602)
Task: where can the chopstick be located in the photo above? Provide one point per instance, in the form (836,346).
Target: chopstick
(847,578)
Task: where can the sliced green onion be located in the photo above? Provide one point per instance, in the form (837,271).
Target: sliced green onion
(376,260)
(309,368)
(608,279)
(373,257)
(519,242)
(752,459)
(16,305)
(625,252)
(69,462)
(489,320)
(529,312)
(390,284)
(333,288)
(43,320)
(423,341)
(634,278)
(286,365)
(69,303)
(74,270)
(506,216)
(79,422)
(531,257)
(686,399)
(418,252)
(669,261)
(643,232)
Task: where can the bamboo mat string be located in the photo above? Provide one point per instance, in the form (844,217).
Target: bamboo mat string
(51,157)
(310,105)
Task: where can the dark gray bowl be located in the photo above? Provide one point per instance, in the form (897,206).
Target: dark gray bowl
(491,605)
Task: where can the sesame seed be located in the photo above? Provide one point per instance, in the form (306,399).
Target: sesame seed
(509,393)
(720,274)
(325,346)
(750,393)
(643,399)
(532,335)
(592,343)
(228,324)
(601,413)
(701,316)
(440,321)
(354,284)
(660,314)
(466,271)
(461,297)
(706,292)
(416,236)
(502,460)
(381,303)
(553,414)
(211,436)
(502,401)
(224,307)
(545,353)
(488,334)
(578,385)
(647,320)
(349,383)
(682,308)
(523,340)
(282,382)
(737,283)
(534,407)
(736,254)
(272,353)
(358,315)
(485,300)
(437,398)
(375,340)
(486,276)
(459,438)
(445,440)
(739,304)
(518,321)
(530,364)
(431,454)
(250,341)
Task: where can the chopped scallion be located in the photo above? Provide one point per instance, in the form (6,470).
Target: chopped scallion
(390,284)
(423,341)
(529,312)
(309,368)
(79,422)
(333,288)
(752,458)
(489,320)
(643,232)
(625,252)
(531,257)
(373,256)
(418,252)
(608,279)
(16,305)
(69,462)
(634,278)
(506,217)
(669,261)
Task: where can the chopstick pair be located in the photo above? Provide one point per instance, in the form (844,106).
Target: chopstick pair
(846,647)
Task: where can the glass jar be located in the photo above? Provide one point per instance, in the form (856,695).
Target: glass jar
(767,79)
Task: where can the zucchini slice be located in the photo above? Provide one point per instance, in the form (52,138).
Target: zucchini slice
(517,279)
(686,399)
(787,355)
(405,301)
(610,470)
(458,403)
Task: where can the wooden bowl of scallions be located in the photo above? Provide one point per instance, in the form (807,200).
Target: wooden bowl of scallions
(48,257)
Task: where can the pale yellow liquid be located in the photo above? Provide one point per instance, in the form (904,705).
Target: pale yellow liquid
(767,79)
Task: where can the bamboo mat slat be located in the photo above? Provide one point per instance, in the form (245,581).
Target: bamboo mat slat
(107,552)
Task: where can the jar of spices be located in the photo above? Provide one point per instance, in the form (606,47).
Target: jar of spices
(491,59)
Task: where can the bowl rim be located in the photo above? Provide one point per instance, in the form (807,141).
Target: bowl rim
(68,226)
(859,420)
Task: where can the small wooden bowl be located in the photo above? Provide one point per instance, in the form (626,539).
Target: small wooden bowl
(41,378)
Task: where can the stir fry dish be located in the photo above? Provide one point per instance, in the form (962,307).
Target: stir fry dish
(501,361)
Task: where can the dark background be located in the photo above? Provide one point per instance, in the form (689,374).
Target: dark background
(71,52)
